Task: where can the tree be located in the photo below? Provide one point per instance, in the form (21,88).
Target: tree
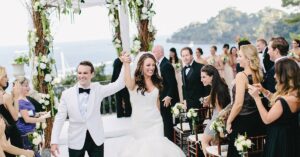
(295,18)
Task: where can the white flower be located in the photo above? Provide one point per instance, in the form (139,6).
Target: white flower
(35,134)
(111,17)
(248,143)
(239,147)
(111,6)
(175,111)
(41,101)
(194,114)
(46,102)
(116,2)
(44,59)
(220,129)
(117,45)
(139,2)
(44,125)
(37,140)
(37,125)
(43,66)
(47,96)
(48,78)
(241,138)
(137,42)
(150,28)
(189,115)
(144,16)
(117,41)
(144,10)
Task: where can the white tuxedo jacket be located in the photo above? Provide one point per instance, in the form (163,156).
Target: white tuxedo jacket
(78,125)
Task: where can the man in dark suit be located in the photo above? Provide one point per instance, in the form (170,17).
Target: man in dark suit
(193,89)
(262,48)
(278,48)
(122,97)
(169,95)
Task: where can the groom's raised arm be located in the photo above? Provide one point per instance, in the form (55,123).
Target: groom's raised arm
(113,87)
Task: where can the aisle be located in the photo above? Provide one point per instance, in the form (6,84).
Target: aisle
(115,130)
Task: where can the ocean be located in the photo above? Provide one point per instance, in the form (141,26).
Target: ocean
(96,51)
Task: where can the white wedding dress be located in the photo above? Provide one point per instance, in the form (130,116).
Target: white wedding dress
(147,131)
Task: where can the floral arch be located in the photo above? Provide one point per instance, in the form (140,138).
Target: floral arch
(40,39)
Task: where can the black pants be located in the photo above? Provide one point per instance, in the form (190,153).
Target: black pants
(167,120)
(123,104)
(89,146)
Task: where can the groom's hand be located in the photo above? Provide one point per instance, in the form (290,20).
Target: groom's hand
(54,149)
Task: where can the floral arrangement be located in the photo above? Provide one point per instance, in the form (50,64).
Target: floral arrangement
(40,126)
(211,61)
(218,125)
(178,66)
(35,138)
(21,59)
(114,19)
(193,115)
(178,109)
(142,12)
(224,58)
(136,46)
(242,144)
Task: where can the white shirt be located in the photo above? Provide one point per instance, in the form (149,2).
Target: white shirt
(276,60)
(188,69)
(83,102)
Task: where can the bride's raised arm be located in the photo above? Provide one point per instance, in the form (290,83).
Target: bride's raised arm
(129,81)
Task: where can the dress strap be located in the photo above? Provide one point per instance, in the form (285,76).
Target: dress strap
(284,105)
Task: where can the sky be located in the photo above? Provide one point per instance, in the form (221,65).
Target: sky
(93,23)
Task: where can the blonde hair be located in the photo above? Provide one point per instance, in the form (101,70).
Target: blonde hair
(251,53)
(2,71)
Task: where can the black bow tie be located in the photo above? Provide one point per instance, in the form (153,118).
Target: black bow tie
(81,90)
(188,66)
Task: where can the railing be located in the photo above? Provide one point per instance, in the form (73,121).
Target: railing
(108,104)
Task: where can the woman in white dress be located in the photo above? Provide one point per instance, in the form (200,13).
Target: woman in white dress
(148,132)
(227,64)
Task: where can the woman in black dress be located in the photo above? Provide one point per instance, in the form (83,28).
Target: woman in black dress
(244,116)
(282,118)
(9,113)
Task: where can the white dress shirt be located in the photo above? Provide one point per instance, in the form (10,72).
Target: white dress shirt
(83,102)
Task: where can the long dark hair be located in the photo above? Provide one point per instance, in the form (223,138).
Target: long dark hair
(139,75)
(219,89)
(287,72)
(176,57)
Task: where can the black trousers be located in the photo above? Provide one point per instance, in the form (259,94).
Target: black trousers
(123,104)
(167,120)
(89,146)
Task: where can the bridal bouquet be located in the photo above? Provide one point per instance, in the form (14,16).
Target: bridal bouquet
(178,109)
(242,144)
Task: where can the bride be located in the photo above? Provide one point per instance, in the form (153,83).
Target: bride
(147,122)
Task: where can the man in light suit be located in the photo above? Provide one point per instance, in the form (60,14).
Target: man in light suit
(81,103)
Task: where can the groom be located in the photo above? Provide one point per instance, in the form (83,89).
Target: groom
(81,103)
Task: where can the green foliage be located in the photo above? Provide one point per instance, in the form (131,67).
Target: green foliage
(230,22)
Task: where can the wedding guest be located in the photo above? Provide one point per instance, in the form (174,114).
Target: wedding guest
(262,48)
(295,51)
(122,97)
(244,116)
(177,64)
(282,118)
(26,123)
(227,64)
(234,56)
(193,89)
(241,43)
(199,59)
(215,60)
(278,48)
(9,111)
(219,98)
(168,96)
(5,146)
